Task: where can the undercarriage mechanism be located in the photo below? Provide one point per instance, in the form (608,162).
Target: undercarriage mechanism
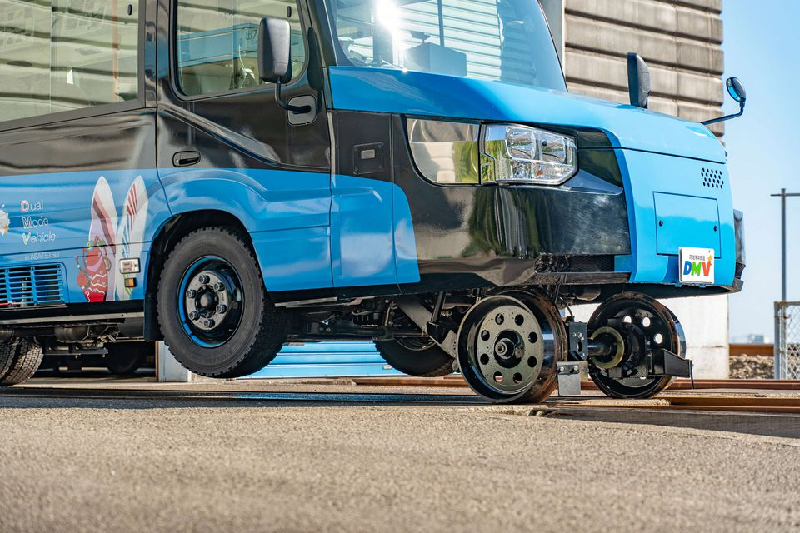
(507,345)
(636,346)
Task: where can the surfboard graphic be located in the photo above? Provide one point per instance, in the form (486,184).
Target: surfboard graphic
(130,233)
(96,262)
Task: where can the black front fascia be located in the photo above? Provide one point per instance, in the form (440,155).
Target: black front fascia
(489,235)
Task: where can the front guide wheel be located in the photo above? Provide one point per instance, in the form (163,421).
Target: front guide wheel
(643,324)
(213,308)
(509,346)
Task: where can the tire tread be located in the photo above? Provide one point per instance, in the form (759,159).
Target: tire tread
(25,356)
(271,328)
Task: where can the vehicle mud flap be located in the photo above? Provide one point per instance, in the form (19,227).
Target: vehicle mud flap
(666,363)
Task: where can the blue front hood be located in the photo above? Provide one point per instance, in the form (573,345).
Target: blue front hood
(423,94)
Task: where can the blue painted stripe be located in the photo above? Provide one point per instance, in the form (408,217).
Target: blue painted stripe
(327,359)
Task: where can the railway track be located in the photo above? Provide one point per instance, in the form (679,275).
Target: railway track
(678,384)
(755,396)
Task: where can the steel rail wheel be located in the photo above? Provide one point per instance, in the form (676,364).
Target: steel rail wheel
(644,324)
(509,346)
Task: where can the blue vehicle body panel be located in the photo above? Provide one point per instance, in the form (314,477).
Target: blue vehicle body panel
(309,230)
(435,95)
(686,220)
(302,231)
(370,219)
(83,221)
(681,190)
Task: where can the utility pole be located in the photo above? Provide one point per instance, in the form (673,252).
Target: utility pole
(783,196)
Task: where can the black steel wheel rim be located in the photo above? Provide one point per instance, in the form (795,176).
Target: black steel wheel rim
(506,348)
(645,325)
(210,301)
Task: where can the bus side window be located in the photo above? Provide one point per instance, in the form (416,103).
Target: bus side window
(57,55)
(218,43)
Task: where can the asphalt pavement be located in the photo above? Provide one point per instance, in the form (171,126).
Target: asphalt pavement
(314,458)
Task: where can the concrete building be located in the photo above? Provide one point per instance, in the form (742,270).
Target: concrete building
(681,40)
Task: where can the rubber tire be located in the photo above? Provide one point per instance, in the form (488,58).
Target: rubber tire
(430,362)
(125,358)
(19,361)
(262,329)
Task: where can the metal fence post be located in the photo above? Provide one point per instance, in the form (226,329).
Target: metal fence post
(787,340)
(779,336)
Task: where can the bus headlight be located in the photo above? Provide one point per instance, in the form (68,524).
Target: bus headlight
(510,153)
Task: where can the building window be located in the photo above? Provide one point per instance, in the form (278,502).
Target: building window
(217,43)
(63,55)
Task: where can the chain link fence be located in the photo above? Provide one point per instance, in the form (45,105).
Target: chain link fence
(787,340)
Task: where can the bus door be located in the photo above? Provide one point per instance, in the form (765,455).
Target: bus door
(225,144)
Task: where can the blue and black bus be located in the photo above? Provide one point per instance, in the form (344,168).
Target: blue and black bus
(231,175)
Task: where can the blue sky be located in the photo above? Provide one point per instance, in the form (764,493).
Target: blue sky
(762,48)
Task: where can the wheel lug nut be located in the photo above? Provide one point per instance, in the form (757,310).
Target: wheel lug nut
(203,279)
(219,287)
(209,323)
(221,308)
(191,293)
(194,315)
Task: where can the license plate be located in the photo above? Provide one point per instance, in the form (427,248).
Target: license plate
(696,265)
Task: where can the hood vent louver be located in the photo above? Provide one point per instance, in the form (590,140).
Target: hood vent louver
(31,286)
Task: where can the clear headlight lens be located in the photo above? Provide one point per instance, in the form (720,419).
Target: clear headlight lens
(512,153)
(468,153)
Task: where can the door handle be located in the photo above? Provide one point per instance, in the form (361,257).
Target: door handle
(185,159)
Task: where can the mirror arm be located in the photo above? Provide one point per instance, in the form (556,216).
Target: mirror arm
(299,110)
(727,117)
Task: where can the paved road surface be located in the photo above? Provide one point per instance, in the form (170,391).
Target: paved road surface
(346,463)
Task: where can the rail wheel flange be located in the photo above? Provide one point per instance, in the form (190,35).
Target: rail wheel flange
(509,345)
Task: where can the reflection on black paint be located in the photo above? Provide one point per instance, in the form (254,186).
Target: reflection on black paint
(506,224)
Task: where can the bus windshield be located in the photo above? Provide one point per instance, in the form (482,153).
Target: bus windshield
(495,40)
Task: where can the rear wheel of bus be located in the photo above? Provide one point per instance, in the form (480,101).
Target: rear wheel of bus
(213,309)
(19,360)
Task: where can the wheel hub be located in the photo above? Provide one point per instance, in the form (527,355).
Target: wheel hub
(208,296)
(211,298)
(509,348)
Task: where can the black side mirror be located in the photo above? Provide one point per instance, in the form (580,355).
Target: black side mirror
(275,58)
(274,50)
(638,80)
(737,92)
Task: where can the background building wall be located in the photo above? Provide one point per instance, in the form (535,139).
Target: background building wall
(680,40)
(682,43)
